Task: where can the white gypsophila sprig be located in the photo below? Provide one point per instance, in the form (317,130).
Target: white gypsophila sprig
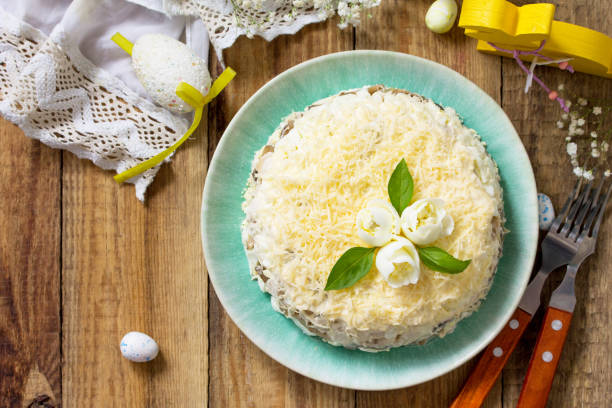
(589,128)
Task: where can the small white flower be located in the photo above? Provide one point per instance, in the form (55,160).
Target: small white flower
(572,148)
(568,104)
(578,171)
(343,8)
(580,122)
(594,135)
(597,110)
(588,175)
(582,101)
(568,139)
(607,173)
(594,144)
(561,87)
(564,116)
(574,162)
(605,146)
(560,124)
(595,153)
(580,131)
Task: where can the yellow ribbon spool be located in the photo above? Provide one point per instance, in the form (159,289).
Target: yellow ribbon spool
(191,96)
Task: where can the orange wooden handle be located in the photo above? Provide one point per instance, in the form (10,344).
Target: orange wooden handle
(545,359)
(492,362)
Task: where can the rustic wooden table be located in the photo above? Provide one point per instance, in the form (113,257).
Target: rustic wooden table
(82,261)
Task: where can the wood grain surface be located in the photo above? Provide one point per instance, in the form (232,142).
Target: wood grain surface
(82,262)
(30,275)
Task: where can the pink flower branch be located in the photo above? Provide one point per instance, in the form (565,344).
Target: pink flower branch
(552,95)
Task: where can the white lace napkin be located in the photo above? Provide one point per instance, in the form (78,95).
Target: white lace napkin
(65,83)
(226,20)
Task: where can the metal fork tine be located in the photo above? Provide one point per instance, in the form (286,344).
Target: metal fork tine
(594,210)
(587,208)
(599,187)
(577,204)
(588,203)
(561,216)
(602,210)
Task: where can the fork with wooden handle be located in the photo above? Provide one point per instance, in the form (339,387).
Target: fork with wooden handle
(556,251)
(553,332)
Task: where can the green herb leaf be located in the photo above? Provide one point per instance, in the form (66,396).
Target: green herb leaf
(400,187)
(353,265)
(439,260)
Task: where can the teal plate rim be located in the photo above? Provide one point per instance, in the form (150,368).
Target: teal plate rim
(250,308)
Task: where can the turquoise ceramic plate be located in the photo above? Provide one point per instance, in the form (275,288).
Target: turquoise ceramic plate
(250,309)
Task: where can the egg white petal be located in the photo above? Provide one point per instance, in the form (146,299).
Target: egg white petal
(398,262)
(426,221)
(377,223)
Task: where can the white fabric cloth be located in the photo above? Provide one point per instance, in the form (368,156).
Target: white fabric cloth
(64,82)
(225,23)
(226,20)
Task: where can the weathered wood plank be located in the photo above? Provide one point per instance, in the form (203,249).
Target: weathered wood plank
(584,374)
(29,269)
(398,26)
(240,374)
(129,266)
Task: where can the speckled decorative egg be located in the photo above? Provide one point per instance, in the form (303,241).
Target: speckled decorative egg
(546,211)
(138,347)
(161,63)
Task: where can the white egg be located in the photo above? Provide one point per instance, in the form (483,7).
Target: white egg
(138,347)
(161,63)
(441,16)
(546,211)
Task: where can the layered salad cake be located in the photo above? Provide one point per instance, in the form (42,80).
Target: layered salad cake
(374,219)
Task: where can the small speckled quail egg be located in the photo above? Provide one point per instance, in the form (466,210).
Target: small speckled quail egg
(161,63)
(546,211)
(441,16)
(138,347)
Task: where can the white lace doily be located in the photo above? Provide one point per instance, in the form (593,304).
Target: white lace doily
(226,20)
(56,95)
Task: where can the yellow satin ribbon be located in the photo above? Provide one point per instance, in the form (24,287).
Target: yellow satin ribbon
(123,42)
(191,96)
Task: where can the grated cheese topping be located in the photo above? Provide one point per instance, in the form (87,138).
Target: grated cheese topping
(322,166)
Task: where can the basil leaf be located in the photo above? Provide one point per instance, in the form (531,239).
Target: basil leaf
(439,260)
(353,265)
(400,187)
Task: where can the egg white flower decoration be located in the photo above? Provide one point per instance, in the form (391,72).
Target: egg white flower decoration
(398,262)
(377,223)
(426,221)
